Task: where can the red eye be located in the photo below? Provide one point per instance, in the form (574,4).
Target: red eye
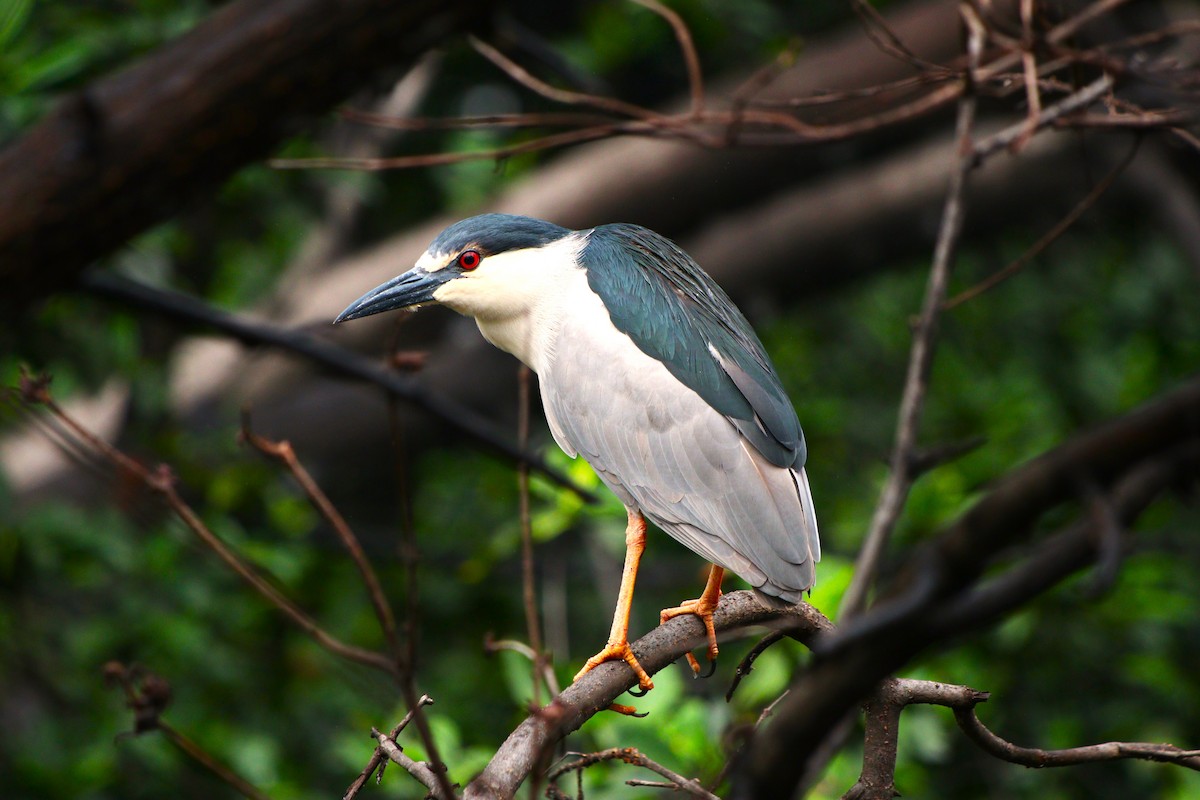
(469,260)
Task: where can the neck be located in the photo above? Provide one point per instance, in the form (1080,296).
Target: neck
(520,298)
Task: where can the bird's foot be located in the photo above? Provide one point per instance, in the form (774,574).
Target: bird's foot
(703,607)
(618,651)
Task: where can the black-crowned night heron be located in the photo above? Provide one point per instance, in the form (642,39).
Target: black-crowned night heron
(649,371)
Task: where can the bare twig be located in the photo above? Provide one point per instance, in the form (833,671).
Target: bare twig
(881,719)
(690,57)
(564,96)
(1010,137)
(533,625)
(1018,264)
(431,778)
(924,459)
(879,32)
(285,454)
(491,645)
(631,755)
(1029,65)
(895,491)
(161,481)
(379,758)
(746,665)
(977,732)
(1068,27)
(147,695)
(410,556)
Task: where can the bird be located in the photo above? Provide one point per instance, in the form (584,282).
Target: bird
(648,371)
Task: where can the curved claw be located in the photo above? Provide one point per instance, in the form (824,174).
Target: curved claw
(637,691)
(619,651)
(712,668)
(628,711)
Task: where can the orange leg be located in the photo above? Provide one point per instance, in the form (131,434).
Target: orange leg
(703,607)
(618,639)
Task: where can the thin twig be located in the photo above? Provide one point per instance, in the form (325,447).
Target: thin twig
(410,556)
(533,625)
(378,758)
(1068,27)
(161,481)
(286,454)
(879,32)
(746,665)
(690,57)
(1011,137)
(916,384)
(631,755)
(431,778)
(1033,96)
(564,96)
(1018,264)
(491,645)
(148,695)
(523,120)
(1003,749)
(206,759)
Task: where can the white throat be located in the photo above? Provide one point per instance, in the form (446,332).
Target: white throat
(520,298)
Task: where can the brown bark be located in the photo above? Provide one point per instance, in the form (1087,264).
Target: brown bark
(129,150)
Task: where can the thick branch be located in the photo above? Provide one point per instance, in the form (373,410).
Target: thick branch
(132,148)
(179,307)
(875,645)
(596,690)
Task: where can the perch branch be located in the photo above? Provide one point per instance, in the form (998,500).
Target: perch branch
(599,688)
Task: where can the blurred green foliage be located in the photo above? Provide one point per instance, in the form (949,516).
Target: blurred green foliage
(1105,321)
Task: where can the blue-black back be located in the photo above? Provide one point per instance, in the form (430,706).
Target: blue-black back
(673,311)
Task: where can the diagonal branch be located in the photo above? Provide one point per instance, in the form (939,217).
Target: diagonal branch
(1133,458)
(178,306)
(916,383)
(131,148)
(161,481)
(285,454)
(596,690)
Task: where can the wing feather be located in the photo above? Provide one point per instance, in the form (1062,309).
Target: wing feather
(666,451)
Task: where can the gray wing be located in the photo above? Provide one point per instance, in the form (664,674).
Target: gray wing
(665,450)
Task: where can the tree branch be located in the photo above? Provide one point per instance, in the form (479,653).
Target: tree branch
(596,690)
(1132,458)
(161,481)
(177,306)
(130,149)
(916,382)
(1005,750)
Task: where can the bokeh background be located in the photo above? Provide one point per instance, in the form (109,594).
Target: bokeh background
(825,248)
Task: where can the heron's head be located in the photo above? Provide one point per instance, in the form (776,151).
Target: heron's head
(491,265)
